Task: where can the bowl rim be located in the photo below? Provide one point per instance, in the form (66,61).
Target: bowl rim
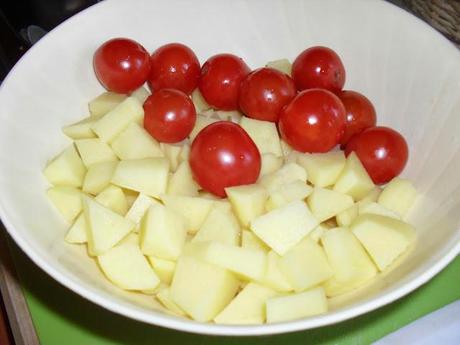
(161,319)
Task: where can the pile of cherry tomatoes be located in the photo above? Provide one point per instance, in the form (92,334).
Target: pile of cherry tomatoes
(311,109)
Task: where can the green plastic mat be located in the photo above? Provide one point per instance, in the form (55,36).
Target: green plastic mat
(62,317)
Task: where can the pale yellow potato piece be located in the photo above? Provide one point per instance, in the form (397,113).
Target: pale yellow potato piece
(274,278)
(282,65)
(105,102)
(269,164)
(199,102)
(141,94)
(67,169)
(346,217)
(375,208)
(94,151)
(325,203)
(172,153)
(163,268)
(264,134)
(67,201)
(98,177)
(139,207)
(201,122)
(323,169)
(81,129)
(297,190)
(248,202)
(251,241)
(398,196)
(219,226)
(77,232)
(181,181)
(164,296)
(288,173)
(113,197)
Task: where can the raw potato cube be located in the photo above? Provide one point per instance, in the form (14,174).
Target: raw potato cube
(247,263)
(270,163)
(113,197)
(131,196)
(224,205)
(134,142)
(372,196)
(105,228)
(323,169)
(193,209)
(141,94)
(398,196)
(290,172)
(285,226)
(316,234)
(184,153)
(264,134)
(354,179)
(201,122)
(162,233)
(172,153)
(282,65)
(182,182)
(117,119)
(199,102)
(148,176)
(94,151)
(164,296)
(248,307)
(127,268)
(105,102)
(81,129)
(139,207)
(220,226)
(325,203)
(163,268)
(375,208)
(350,262)
(248,202)
(66,169)
(296,306)
(345,218)
(384,238)
(231,115)
(77,232)
(98,177)
(292,157)
(274,278)
(293,191)
(67,200)
(251,241)
(305,265)
(285,148)
(202,290)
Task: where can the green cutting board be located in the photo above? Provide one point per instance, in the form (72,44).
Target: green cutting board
(62,317)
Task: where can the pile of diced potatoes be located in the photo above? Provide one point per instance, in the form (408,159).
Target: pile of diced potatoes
(314,226)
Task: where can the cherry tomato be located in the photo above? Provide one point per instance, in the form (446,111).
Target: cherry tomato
(264,92)
(223,155)
(220,80)
(174,66)
(313,122)
(169,115)
(121,65)
(382,150)
(318,67)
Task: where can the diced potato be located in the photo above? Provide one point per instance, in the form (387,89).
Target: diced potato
(290,172)
(282,65)
(67,200)
(219,226)
(182,182)
(105,102)
(375,208)
(162,233)
(148,176)
(285,226)
(384,238)
(296,306)
(94,151)
(127,268)
(139,207)
(131,196)
(251,241)
(323,169)
(264,134)
(105,228)
(354,179)
(285,148)
(81,129)
(249,264)
(184,153)
(113,197)
(248,202)
(172,153)
(292,157)
(231,115)
(77,232)
(199,102)
(134,142)
(163,268)
(201,289)
(66,169)
(316,234)
(352,266)
(274,278)
(372,196)
(325,203)
(270,163)
(224,205)
(201,122)
(248,307)
(98,177)
(346,217)
(287,193)
(141,94)
(305,265)
(117,119)
(193,209)
(398,196)
(164,296)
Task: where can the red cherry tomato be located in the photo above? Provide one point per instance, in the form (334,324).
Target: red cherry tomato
(382,150)
(121,65)
(223,155)
(360,113)
(174,66)
(313,122)
(220,80)
(318,67)
(264,92)
(169,115)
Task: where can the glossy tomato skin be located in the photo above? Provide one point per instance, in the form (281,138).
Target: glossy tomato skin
(174,66)
(382,150)
(223,155)
(220,80)
(318,67)
(360,113)
(121,65)
(169,115)
(314,121)
(264,92)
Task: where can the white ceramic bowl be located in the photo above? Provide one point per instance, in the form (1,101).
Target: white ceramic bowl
(410,72)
